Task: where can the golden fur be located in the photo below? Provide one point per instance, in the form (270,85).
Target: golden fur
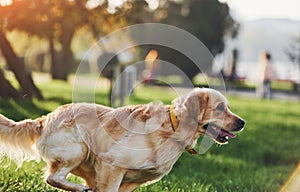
(117,149)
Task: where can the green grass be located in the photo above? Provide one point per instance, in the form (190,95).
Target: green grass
(261,158)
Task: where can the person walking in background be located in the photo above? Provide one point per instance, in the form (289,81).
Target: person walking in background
(266,75)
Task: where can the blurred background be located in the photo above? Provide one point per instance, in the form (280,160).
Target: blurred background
(53,37)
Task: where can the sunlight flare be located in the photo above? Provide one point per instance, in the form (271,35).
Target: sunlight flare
(4,3)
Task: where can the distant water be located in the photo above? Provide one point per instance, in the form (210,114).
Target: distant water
(283,70)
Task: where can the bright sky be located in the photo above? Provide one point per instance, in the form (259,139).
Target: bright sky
(240,9)
(257,9)
(5,2)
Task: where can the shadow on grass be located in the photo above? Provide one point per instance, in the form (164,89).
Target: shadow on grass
(58,100)
(21,109)
(30,109)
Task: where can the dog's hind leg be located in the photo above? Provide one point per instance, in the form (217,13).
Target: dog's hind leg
(58,173)
(63,155)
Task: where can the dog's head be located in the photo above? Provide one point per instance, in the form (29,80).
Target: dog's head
(210,109)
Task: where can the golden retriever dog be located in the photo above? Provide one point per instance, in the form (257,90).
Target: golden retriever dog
(118,149)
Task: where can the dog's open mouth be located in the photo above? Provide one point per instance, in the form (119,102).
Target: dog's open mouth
(218,134)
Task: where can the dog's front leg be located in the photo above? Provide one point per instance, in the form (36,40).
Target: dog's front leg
(108,176)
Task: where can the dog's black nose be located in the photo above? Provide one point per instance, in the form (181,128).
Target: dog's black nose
(240,122)
(238,125)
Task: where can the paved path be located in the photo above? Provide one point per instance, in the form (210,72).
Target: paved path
(293,183)
(276,95)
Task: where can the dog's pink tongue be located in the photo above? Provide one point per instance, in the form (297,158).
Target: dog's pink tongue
(224,134)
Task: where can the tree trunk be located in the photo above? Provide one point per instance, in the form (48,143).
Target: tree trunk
(295,87)
(6,89)
(63,63)
(18,68)
(54,59)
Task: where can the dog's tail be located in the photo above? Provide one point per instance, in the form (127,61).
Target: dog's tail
(18,139)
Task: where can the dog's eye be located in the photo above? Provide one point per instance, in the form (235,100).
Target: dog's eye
(221,107)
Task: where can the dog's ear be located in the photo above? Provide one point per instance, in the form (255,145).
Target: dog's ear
(203,99)
(192,105)
(197,103)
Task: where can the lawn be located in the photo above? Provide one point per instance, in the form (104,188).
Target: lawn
(261,158)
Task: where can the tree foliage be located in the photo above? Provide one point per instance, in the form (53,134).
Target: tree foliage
(208,20)
(58,20)
(293,51)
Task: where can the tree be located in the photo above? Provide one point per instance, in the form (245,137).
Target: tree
(17,66)
(14,63)
(57,21)
(208,20)
(6,89)
(54,20)
(293,53)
